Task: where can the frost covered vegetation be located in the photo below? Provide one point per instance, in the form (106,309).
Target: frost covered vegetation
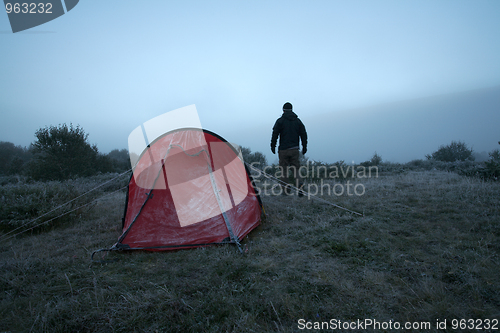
(427,248)
(35,205)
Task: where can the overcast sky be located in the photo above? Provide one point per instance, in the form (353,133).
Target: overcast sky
(111,65)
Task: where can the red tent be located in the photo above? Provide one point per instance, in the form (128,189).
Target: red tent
(190,188)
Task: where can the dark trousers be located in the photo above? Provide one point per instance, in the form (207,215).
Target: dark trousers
(290,164)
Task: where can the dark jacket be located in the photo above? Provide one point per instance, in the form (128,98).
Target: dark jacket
(289,128)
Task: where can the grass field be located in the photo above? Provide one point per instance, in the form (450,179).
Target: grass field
(427,250)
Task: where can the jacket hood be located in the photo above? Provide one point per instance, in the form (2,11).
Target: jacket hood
(290,115)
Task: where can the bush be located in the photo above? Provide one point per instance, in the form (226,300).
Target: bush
(120,160)
(63,152)
(257,158)
(22,202)
(493,164)
(375,161)
(455,151)
(13,158)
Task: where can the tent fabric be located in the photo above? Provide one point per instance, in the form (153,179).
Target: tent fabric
(189,188)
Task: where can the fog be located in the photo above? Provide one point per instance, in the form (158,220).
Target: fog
(396,77)
(399,131)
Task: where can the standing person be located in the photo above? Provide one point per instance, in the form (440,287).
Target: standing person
(289,128)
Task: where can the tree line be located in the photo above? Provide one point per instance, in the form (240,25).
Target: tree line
(59,153)
(64,152)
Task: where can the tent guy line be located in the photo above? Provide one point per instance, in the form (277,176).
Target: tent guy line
(225,180)
(61,215)
(279,181)
(4,238)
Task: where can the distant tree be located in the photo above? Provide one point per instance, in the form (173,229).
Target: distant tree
(134,158)
(104,164)
(64,152)
(257,157)
(493,164)
(480,156)
(376,159)
(455,151)
(13,158)
(495,155)
(119,159)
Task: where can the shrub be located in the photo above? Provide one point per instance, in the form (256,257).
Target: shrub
(257,157)
(12,158)
(120,160)
(375,161)
(493,164)
(416,164)
(391,167)
(63,152)
(455,151)
(22,202)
